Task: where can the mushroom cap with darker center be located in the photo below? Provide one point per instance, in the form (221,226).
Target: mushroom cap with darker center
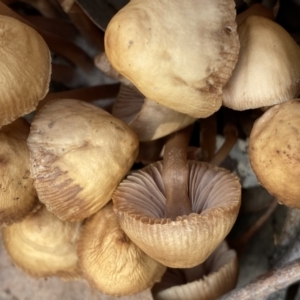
(139,203)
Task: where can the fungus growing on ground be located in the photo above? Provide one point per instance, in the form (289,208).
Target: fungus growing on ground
(25,69)
(110,261)
(78,155)
(177,54)
(207,281)
(42,245)
(274,151)
(268,68)
(17,195)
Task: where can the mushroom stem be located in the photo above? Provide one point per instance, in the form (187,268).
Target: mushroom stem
(175,174)
(63,74)
(87,94)
(267,283)
(208,137)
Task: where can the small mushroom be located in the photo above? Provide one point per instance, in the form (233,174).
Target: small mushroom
(17,194)
(42,245)
(25,69)
(208,281)
(177,54)
(78,155)
(110,261)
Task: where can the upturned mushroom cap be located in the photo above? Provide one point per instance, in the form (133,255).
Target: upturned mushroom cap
(274,151)
(42,245)
(25,69)
(139,203)
(17,193)
(79,154)
(177,54)
(110,261)
(208,281)
(148,119)
(268,68)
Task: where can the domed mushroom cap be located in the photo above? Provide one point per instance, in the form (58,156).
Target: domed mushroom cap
(139,202)
(79,154)
(274,151)
(148,119)
(42,245)
(208,281)
(268,68)
(178,54)
(17,193)
(25,69)
(110,261)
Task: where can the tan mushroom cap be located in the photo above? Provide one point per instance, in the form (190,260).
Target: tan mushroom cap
(208,281)
(42,245)
(268,69)
(148,119)
(79,154)
(110,261)
(139,202)
(25,69)
(17,193)
(177,54)
(274,151)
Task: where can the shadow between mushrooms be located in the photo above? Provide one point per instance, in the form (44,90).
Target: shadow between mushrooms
(139,202)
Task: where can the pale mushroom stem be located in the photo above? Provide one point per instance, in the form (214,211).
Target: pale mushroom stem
(208,136)
(87,94)
(175,174)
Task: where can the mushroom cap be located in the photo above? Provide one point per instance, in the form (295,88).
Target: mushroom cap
(42,245)
(208,281)
(148,119)
(17,193)
(78,155)
(110,261)
(139,203)
(274,151)
(177,54)
(25,69)
(268,68)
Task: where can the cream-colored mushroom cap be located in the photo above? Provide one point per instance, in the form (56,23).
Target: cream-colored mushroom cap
(268,68)
(139,202)
(25,69)
(42,245)
(179,54)
(148,119)
(110,261)
(208,281)
(78,155)
(274,151)
(17,193)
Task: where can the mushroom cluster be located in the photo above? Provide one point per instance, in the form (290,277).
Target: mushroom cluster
(130,192)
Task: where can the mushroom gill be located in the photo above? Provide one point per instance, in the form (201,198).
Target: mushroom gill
(139,202)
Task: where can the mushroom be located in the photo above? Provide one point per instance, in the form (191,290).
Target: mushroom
(17,195)
(78,155)
(110,261)
(179,55)
(268,69)
(208,281)
(25,69)
(274,149)
(42,245)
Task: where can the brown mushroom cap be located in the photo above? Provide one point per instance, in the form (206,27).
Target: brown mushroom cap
(79,154)
(268,68)
(148,119)
(110,261)
(274,151)
(177,54)
(25,69)
(17,193)
(208,281)
(42,245)
(139,202)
